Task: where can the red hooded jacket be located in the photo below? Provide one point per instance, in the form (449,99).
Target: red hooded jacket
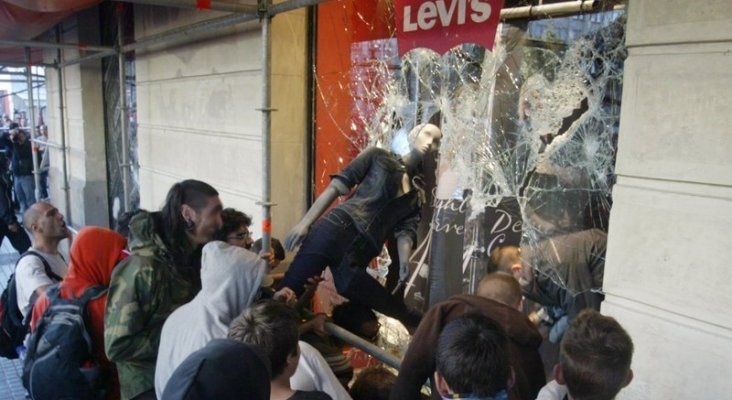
(94,254)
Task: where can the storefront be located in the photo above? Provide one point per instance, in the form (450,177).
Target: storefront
(530,127)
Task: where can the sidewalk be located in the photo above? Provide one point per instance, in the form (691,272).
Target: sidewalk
(11,387)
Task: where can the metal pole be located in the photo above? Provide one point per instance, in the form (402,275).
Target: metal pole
(292,5)
(12,64)
(62,125)
(368,347)
(557,9)
(266,126)
(91,57)
(47,143)
(34,153)
(123,115)
(47,45)
(194,4)
(189,32)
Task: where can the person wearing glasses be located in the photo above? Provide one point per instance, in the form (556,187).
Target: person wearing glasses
(235,230)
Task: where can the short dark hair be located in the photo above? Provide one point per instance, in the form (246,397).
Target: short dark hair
(595,356)
(501,287)
(232,220)
(279,251)
(502,258)
(373,383)
(472,356)
(271,325)
(352,315)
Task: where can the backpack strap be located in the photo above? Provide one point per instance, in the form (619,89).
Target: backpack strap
(91,293)
(46,266)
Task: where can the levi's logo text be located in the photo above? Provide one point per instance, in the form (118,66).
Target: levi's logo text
(443,24)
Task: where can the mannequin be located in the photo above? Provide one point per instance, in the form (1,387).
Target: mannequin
(387,199)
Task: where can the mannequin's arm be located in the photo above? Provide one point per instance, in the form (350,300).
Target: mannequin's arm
(404,248)
(299,231)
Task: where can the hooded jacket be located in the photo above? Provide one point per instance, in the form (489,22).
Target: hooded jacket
(223,369)
(524,340)
(230,278)
(145,289)
(94,254)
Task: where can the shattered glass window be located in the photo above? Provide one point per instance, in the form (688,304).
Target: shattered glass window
(529,141)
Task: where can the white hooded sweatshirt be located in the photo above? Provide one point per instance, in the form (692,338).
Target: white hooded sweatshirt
(230,278)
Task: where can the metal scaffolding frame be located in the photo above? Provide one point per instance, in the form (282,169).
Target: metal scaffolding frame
(264,12)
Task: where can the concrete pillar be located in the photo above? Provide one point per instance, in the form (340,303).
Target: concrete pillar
(84,122)
(667,276)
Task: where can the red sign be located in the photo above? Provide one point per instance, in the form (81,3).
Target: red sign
(443,24)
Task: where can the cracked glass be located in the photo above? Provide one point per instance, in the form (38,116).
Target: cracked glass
(529,140)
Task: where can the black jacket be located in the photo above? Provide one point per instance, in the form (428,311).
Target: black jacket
(224,369)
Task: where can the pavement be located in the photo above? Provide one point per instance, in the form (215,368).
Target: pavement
(11,387)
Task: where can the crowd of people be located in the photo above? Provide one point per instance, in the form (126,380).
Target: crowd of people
(17,164)
(175,304)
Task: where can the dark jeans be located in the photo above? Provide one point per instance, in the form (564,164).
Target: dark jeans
(20,240)
(44,185)
(336,242)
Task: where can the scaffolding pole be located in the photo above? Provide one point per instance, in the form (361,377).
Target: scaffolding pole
(34,44)
(559,9)
(266,126)
(62,125)
(123,112)
(370,348)
(32,109)
(199,5)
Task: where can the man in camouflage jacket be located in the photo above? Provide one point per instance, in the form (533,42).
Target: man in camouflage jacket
(144,290)
(148,286)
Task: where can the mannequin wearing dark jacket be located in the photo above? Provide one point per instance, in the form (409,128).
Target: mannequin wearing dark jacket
(524,340)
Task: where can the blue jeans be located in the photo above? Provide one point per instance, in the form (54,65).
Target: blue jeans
(336,242)
(25,189)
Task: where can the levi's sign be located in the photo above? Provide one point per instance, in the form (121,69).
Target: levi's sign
(443,24)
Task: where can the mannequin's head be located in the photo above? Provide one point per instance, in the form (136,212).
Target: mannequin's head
(424,138)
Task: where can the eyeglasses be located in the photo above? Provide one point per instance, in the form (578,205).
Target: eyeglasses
(239,236)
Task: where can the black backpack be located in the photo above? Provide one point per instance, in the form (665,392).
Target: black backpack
(13,327)
(60,361)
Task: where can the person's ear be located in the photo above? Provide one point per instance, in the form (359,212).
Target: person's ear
(520,305)
(558,375)
(516,270)
(441,385)
(188,214)
(628,378)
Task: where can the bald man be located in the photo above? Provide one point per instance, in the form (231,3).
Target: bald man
(42,265)
(498,298)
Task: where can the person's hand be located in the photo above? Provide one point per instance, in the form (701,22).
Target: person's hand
(295,236)
(286,295)
(310,287)
(13,227)
(313,283)
(317,324)
(269,257)
(403,271)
